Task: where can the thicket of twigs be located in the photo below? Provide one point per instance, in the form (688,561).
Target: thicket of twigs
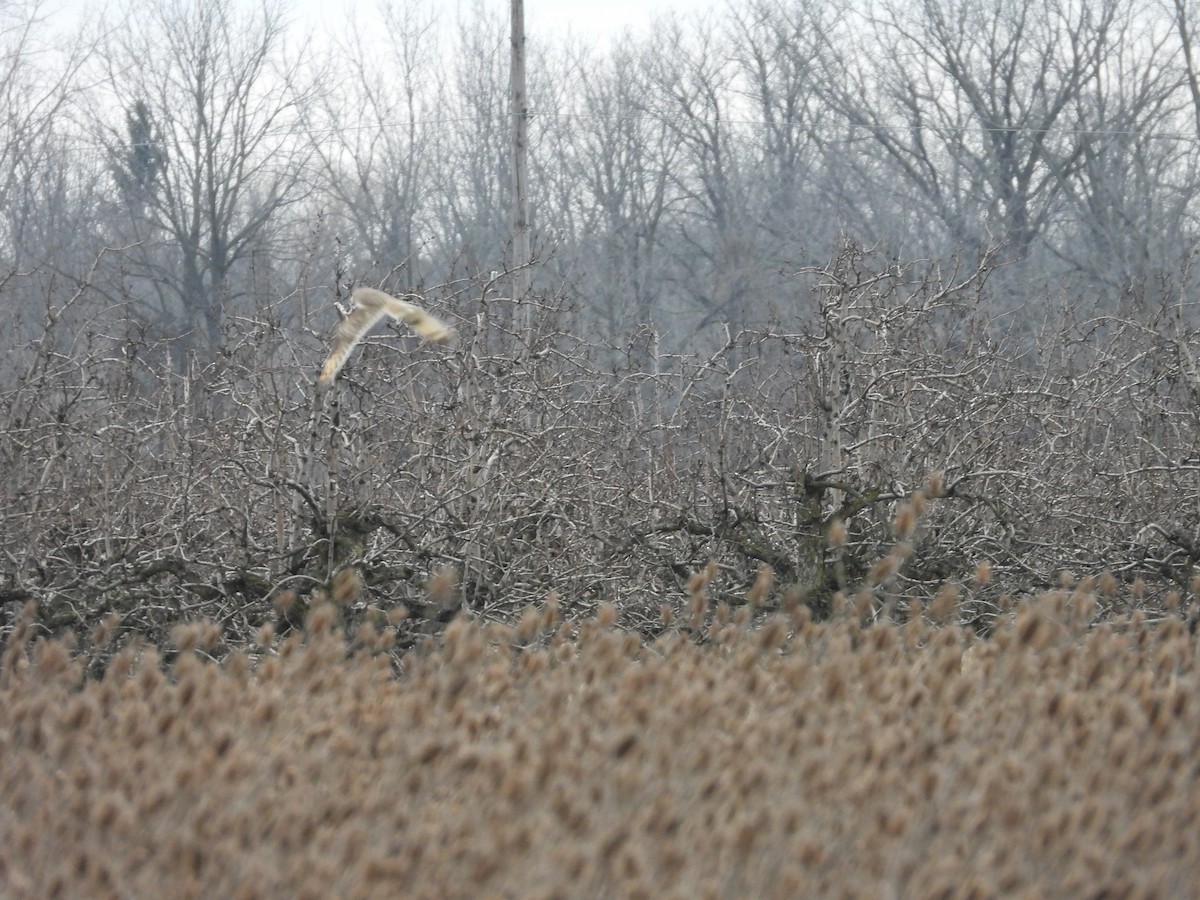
(724,758)
(139,485)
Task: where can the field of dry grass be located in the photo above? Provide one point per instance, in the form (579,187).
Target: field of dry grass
(771,757)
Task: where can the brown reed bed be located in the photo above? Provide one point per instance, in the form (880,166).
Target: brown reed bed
(780,759)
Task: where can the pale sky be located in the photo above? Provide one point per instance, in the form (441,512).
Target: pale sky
(544,19)
(598,18)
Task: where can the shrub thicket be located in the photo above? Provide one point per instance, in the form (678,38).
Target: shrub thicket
(536,462)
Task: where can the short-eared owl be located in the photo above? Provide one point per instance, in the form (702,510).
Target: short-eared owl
(368,306)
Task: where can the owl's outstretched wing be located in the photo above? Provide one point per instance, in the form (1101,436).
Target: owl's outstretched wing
(368,307)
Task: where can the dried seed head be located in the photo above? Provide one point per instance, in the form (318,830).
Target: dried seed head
(1029,627)
(52,657)
(185,637)
(793,597)
(934,485)
(441,586)
(906,521)
(606,615)
(321,618)
(983,574)
(208,634)
(1085,608)
(365,634)
(861,605)
(105,630)
(919,503)
(285,602)
(1107,584)
(238,665)
(773,634)
(884,569)
(944,603)
(699,581)
(757,595)
(837,534)
(347,585)
(530,624)
(550,613)
(386,640)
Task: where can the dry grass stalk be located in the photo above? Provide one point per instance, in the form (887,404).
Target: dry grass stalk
(591,763)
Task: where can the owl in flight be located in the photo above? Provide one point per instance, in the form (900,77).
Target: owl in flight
(367,307)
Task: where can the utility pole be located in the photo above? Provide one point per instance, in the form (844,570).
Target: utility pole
(522,249)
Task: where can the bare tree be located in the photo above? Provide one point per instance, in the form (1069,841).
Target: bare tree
(1185,30)
(1129,214)
(38,174)
(209,152)
(470,168)
(714,232)
(623,158)
(780,49)
(973,105)
(373,139)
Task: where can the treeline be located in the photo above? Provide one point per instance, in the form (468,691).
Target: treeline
(221,154)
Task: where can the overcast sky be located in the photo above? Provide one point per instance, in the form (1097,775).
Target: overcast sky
(544,19)
(597,18)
